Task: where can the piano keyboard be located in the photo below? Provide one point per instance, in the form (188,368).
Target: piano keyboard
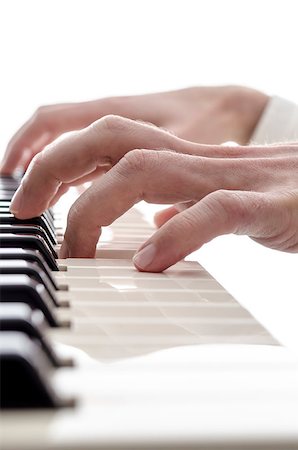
(97,355)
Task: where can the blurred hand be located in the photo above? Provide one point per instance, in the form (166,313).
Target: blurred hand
(242,190)
(201,114)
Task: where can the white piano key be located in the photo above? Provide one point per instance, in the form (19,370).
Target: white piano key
(123,272)
(124,326)
(116,262)
(172,311)
(116,253)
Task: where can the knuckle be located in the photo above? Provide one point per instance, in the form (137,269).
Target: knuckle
(230,151)
(290,199)
(41,168)
(135,161)
(113,123)
(283,226)
(36,162)
(231,205)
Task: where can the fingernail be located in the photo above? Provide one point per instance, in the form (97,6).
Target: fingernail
(16,201)
(144,257)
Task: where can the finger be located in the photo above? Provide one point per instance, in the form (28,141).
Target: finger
(141,174)
(78,183)
(246,151)
(19,155)
(104,142)
(61,191)
(255,214)
(163,216)
(157,177)
(28,154)
(33,135)
(48,122)
(98,206)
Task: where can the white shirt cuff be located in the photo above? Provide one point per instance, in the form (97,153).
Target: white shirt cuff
(278,123)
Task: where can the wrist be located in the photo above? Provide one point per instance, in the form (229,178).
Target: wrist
(245,107)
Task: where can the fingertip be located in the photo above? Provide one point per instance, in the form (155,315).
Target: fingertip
(149,258)
(11,159)
(145,256)
(80,241)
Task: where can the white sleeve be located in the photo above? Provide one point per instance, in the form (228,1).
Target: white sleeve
(278,123)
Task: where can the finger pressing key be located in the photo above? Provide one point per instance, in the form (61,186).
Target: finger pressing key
(153,176)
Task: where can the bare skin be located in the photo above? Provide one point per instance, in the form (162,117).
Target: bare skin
(243,190)
(207,115)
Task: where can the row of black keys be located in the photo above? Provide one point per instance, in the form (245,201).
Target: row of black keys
(28,303)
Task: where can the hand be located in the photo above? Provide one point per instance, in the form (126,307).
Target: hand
(242,190)
(201,114)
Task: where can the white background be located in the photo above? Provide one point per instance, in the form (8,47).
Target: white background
(57,51)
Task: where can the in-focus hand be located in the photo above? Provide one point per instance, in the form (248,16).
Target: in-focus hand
(242,190)
(209,115)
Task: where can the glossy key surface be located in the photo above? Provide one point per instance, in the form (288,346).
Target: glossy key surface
(25,373)
(19,317)
(31,256)
(10,219)
(22,288)
(21,267)
(31,243)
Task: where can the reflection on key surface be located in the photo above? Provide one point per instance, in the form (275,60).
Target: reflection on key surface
(138,344)
(132,313)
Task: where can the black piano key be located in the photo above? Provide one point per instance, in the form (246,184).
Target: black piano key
(25,374)
(9,189)
(10,219)
(20,317)
(5,195)
(44,220)
(19,267)
(50,214)
(5,205)
(30,243)
(11,180)
(31,256)
(11,185)
(23,289)
(28,229)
